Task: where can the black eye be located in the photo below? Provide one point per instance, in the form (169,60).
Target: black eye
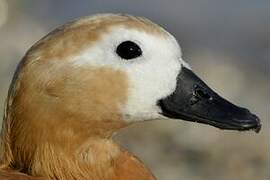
(128,50)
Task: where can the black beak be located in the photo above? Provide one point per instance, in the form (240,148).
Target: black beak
(194,101)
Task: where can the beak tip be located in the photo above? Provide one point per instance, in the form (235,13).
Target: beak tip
(254,123)
(259,125)
(258,129)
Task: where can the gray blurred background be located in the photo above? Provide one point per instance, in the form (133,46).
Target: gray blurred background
(226,42)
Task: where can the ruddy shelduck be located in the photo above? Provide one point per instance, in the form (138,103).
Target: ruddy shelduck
(83,82)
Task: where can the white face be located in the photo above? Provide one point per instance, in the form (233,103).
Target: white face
(152,76)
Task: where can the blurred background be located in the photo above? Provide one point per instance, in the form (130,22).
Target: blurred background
(226,42)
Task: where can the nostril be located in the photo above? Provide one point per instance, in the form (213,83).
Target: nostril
(201,93)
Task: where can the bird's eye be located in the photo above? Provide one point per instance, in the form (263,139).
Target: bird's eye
(128,50)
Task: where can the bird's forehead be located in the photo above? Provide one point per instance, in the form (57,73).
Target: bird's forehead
(104,22)
(74,37)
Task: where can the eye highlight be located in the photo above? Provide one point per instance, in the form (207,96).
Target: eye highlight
(128,50)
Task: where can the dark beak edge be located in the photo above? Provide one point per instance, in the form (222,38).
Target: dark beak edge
(194,101)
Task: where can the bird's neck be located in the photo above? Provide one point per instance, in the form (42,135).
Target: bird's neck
(97,159)
(92,160)
(71,156)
